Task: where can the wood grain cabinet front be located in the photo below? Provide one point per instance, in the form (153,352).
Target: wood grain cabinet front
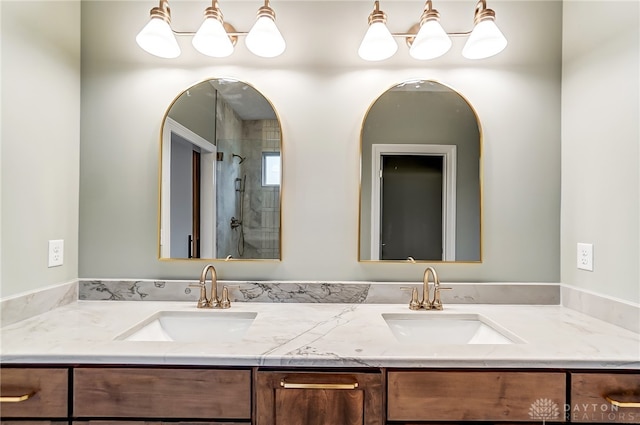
(33,393)
(162,393)
(499,396)
(605,397)
(321,398)
(138,422)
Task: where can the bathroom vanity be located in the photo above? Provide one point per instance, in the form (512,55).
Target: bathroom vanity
(265,396)
(316,364)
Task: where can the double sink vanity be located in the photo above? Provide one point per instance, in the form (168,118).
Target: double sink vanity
(97,362)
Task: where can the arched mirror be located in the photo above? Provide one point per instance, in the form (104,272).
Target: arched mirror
(221,174)
(420,186)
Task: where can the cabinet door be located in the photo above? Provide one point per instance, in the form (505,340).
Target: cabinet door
(162,393)
(22,422)
(33,392)
(475,396)
(101,422)
(605,397)
(292,398)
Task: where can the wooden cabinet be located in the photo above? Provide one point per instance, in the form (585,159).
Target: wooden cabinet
(479,396)
(29,422)
(124,422)
(297,398)
(34,392)
(92,395)
(605,397)
(162,393)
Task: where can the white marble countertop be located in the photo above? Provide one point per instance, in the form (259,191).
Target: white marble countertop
(328,335)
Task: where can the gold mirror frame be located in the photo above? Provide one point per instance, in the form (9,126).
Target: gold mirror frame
(367,224)
(212,140)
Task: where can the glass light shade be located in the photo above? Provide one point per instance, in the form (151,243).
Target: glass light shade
(431,42)
(264,38)
(157,38)
(485,40)
(212,39)
(378,43)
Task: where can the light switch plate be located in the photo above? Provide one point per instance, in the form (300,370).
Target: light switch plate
(585,256)
(56,252)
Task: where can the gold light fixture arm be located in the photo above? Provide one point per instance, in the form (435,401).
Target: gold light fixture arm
(482,13)
(377,15)
(267,11)
(162,11)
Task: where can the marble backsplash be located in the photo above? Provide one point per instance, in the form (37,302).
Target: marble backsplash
(319,292)
(25,305)
(617,312)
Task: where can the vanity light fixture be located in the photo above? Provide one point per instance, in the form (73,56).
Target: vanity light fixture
(215,37)
(378,43)
(157,36)
(428,40)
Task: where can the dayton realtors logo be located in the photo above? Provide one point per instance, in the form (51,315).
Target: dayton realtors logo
(543,410)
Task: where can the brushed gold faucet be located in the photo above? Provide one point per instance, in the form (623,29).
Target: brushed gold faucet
(214,301)
(427,303)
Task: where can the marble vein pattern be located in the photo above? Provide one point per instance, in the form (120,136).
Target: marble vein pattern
(317,334)
(23,306)
(319,292)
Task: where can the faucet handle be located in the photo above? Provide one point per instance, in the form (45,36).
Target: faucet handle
(414,304)
(225,302)
(203,302)
(437,302)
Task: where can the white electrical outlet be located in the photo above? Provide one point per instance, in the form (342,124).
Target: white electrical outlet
(585,256)
(56,253)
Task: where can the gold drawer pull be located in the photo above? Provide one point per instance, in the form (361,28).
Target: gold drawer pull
(17,398)
(622,399)
(296,385)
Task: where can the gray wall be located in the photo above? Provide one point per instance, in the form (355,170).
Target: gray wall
(321,91)
(193,110)
(40,78)
(600,145)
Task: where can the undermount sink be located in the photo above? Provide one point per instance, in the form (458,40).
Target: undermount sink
(431,328)
(191,326)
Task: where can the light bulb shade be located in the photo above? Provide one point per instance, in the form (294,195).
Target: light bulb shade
(212,39)
(378,43)
(485,40)
(431,42)
(264,38)
(158,39)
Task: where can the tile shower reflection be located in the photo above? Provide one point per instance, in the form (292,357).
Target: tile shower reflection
(214,201)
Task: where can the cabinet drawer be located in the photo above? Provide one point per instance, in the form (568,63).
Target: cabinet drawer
(138,422)
(296,398)
(47,391)
(589,392)
(477,396)
(162,393)
(36,422)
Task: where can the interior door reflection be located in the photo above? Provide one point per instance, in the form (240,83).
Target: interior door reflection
(411,218)
(185,198)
